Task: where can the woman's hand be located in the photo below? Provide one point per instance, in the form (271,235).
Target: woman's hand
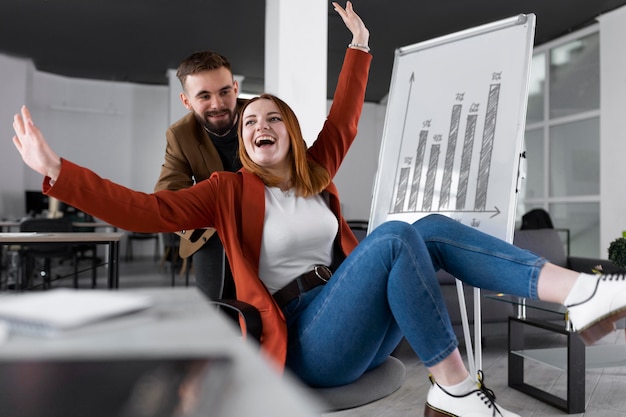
(360,34)
(34,149)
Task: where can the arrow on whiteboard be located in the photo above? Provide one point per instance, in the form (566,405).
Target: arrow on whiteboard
(408,100)
(496,211)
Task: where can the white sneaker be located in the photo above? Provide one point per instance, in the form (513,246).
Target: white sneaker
(594,317)
(480,402)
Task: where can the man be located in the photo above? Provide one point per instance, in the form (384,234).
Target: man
(200,143)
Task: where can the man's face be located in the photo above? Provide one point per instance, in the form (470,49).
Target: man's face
(212,96)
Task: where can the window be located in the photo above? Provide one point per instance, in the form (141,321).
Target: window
(562,137)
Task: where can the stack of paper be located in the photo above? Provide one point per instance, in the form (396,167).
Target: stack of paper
(50,312)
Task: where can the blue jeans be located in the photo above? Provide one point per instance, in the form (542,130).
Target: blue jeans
(387,288)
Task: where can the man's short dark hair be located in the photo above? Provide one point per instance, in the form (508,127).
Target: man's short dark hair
(199,62)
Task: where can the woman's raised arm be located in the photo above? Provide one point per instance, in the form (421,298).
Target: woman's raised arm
(33,147)
(360,34)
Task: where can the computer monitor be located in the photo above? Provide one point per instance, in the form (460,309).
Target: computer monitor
(36,202)
(74,213)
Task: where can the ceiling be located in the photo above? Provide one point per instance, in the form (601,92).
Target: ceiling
(138,40)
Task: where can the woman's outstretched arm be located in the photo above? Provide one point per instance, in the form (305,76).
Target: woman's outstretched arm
(33,147)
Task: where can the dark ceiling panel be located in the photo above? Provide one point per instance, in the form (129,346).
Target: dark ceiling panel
(138,40)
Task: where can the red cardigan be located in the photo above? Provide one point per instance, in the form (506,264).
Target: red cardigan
(232,203)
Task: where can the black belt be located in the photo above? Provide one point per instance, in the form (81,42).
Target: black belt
(318,276)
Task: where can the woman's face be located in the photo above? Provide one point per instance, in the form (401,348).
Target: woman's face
(265,136)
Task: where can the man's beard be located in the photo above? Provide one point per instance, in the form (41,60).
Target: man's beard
(220,128)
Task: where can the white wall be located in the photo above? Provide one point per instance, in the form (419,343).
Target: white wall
(150,119)
(116,129)
(290,73)
(14,87)
(176,108)
(612,127)
(355,179)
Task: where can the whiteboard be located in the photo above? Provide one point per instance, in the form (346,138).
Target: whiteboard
(453,133)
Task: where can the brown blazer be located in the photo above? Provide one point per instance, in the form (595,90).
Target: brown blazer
(190,157)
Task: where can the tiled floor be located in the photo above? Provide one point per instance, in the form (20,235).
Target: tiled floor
(604,387)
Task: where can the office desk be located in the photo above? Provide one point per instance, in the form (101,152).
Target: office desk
(8,225)
(112,241)
(181,323)
(95,225)
(14,224)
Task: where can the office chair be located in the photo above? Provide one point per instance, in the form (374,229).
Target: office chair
(132,236)
(83,251)
(374,385)
(46,251)
(171,245)
(87,252)
(539,218)
(359,228)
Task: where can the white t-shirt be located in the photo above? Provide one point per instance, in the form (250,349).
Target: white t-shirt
(292,242)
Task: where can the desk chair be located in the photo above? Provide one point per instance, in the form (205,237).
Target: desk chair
(28,253)
(373,385)
(86,252)
(540,219)
(171,246)
(359,228)
(132,236)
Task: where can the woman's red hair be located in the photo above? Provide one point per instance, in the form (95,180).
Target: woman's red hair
(308,177)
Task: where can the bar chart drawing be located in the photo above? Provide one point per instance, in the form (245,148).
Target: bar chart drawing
(413,168)
(454,128)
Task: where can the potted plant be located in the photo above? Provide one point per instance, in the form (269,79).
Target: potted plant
(617,252)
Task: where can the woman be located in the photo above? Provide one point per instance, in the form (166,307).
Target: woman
(279,217)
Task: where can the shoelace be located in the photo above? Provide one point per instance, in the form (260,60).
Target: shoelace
(607,277)
(612,277)
(486,395)
(604,277)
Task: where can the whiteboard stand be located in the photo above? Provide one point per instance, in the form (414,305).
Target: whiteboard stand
(453,134)
(475,364)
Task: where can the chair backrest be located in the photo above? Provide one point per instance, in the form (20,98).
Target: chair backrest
(59,225)
(359,228)
(543,242)
(537,219)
